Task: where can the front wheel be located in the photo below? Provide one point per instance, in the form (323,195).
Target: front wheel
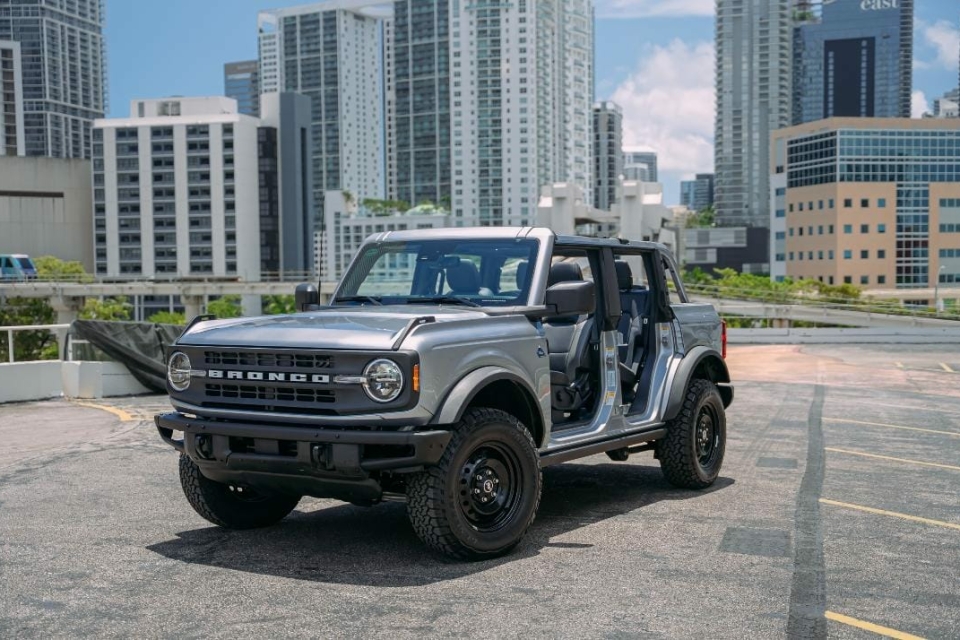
(482,496)
(230,506)
(691,454)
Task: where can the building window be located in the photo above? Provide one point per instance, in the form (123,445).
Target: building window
(881,279)
(864,203)
(864,228)
(882,203)
(830,254)
(820,204)
(864,279)
(847,254)
(881,228)
(848,228)
(791,232)
(864,254)
(831,203)
(791,207)
(800,231)
(819,255)
(831,230)
(881,253)
(847,203)
(830,279)
(820,230)
(800,206)
(790,256)
(847,280)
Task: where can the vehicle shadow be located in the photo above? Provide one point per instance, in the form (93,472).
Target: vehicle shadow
(376,546)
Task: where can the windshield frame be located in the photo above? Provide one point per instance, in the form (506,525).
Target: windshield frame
(349,290)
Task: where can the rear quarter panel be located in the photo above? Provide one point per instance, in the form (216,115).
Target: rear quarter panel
(699,325)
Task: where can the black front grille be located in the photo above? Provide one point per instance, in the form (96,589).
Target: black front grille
(278,394)
(269,360)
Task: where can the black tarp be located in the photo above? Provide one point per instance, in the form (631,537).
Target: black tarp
(137,345)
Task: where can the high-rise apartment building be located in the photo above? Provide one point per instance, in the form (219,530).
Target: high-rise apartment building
(521,94)
(635,158)
(332,52)
(873,202)
(241,81)
(64,71)
(176,190)
(753,75)
(697,194)
(852,59)
(11,100)
(607,154)
(417,51)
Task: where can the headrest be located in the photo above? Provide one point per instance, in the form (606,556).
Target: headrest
(463,277)
(564,272)
(523,268)
(624,274)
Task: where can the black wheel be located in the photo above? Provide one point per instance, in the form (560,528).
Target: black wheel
(233,507)
(691,454)
(482,496)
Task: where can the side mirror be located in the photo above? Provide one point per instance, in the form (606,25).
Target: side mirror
(305,296)
(571,298)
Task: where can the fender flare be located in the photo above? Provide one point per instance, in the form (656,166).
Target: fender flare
(466,389)
(717,369)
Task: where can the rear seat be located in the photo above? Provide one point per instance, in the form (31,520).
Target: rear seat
(634,300)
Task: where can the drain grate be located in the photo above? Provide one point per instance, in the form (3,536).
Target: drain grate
(773,543)
(777,463)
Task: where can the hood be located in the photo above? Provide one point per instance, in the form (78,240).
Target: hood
(366,328)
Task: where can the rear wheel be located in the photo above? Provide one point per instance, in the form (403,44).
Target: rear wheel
(691,454)
(482,496)
(232,506)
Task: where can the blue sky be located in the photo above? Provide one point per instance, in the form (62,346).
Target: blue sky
(654,57)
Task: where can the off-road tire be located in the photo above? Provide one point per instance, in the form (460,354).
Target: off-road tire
(226,507)
(440,499)
(680,459)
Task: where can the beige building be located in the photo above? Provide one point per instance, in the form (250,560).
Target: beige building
(46,208)
(873,202)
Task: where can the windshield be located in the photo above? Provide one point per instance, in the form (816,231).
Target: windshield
(485,272)
(26,264)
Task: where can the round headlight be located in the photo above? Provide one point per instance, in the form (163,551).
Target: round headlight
(178,371)
(383,380)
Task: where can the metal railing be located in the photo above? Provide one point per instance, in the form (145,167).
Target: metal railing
(59,330)
(86,278)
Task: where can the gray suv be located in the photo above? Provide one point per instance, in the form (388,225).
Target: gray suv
(447,369)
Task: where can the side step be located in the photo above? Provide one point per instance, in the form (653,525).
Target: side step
(590,448)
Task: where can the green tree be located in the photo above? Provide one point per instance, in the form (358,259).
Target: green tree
(28,345)
(279,304)
(225,307)
(168,317)
(53,268)
(110,309)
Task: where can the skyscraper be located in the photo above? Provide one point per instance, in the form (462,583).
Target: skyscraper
(697,194)
(607,152)
(753,71)
(64,78)
(241,81)
(852,59)
(418,102)
(11,100)
(634,157)
(521,94)
(332,52)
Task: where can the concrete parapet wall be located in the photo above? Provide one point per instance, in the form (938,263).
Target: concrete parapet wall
(22,381)
(905,335)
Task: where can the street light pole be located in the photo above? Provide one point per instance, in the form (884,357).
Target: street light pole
(936,290)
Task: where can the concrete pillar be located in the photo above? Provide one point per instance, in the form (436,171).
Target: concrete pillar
(67,308)
(192,306)
(251,304)
(780,323)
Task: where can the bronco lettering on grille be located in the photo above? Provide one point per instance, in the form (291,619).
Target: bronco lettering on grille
(312,378)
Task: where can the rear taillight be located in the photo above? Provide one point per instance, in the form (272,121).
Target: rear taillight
(723,339)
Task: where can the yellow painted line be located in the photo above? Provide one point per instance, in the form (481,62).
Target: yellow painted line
(899,365)
(879,457)
(946,367)
(869,626)
(892,426)
(120,413)
(892,514)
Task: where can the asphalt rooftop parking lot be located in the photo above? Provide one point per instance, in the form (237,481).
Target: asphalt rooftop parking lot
(837,514)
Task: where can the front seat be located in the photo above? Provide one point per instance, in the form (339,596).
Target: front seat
(568,342)
(463,279)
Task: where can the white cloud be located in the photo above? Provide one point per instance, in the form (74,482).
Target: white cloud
(944,37)
(918,104)
(654,8)
(668,104)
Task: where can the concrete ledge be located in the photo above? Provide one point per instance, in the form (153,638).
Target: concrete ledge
(22,381)
(905,335)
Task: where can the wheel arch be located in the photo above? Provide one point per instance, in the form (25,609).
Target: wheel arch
(494,388)
(700,363)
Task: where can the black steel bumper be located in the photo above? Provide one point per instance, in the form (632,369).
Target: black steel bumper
(300,459)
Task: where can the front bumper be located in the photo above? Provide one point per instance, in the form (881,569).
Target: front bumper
(311,461)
